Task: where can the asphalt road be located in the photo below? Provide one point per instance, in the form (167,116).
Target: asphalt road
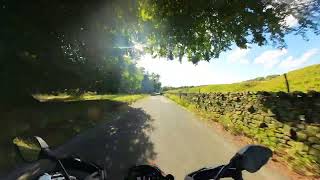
(183,143)
(154,130)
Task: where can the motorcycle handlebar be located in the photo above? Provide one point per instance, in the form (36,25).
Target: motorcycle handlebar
(211,173)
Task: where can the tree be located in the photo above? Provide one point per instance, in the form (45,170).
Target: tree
(155,79)
(132,77)
(202,29)
(55,45)
(151,83)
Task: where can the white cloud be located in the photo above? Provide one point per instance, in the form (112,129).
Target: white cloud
(292,63)
(297,8)
(270,58)
(238,55)
(291,21)
(174,73)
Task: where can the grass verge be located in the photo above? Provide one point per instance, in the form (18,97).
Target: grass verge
(126,98)
(190,107)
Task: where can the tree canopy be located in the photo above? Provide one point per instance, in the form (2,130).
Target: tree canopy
(50,46)
(91,45)
(202,29)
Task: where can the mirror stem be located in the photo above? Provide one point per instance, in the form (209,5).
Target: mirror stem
(48,153)
(221,172)
(64,171)
(226,167)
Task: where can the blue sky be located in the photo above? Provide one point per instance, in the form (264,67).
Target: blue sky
(237,64)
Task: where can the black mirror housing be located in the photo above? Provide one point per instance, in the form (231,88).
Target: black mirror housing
(252,157)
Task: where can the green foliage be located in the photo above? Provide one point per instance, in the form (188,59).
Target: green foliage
(304,79)
(60,46)
(201,29)
(131,77)
(151,83)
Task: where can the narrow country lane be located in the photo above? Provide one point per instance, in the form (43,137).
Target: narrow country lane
(183,143)
(154,130)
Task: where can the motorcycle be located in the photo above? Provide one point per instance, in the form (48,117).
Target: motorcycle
(250,158)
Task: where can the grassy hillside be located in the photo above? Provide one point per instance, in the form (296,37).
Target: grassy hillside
(304,79)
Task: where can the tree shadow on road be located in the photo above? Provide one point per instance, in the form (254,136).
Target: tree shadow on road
(118,140)
(117,144)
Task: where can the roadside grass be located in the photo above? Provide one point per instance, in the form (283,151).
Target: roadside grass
(63,97)
(304,79)
(181,102)
(205,115)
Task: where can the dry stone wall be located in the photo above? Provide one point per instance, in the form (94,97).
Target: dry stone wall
(288,123)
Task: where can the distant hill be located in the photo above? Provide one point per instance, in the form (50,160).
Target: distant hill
(303,79)
(262,78)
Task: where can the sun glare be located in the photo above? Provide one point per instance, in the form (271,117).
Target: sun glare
(138,46)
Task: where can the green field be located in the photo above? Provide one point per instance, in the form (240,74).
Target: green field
(128,98)
(304,79)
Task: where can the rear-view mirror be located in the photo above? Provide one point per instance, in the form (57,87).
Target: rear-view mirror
(29,148)
(253,157)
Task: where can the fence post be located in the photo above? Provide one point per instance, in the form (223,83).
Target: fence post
(287,82)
